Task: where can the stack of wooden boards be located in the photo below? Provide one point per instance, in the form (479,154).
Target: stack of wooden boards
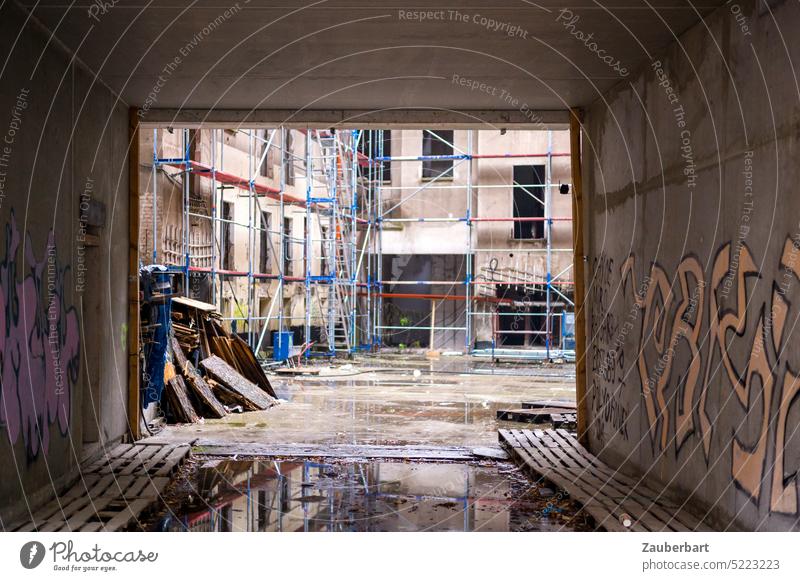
(213,371)
(559,413)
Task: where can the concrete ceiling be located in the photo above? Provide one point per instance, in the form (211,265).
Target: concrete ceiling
(356,54)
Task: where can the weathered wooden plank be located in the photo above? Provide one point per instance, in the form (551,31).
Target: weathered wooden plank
(250,366)
(197,384)
(604,485)
(91,527)
(217,448)
(176,457)
(143,459)
(606,493)
(591,504)
(115,490)
(678,511)
(652,514)
(85,485)
(79,519)
(153,487)
(106,457)
(129,512)
(552,470)
(558,456)
(179,402)
(253,397)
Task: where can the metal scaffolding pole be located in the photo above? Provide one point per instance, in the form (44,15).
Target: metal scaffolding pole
(468,287)
(307,246)
(155,196)
(378,217)
(186,176)
(214,217)
(250,237)
(548,200)
(281,218)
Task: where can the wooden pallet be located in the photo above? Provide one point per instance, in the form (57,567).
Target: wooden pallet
(530,415)
(564,421)
(608,495)
(112,491)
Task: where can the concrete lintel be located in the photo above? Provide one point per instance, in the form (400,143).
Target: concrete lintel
(361,119)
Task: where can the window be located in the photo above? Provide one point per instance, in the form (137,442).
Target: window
(287,246)
(265,255)
(261,518)
(227,236)
(267,168)
(226,519)
(369,145)
(324,269)
(288,158)
(529,198)
(437,143)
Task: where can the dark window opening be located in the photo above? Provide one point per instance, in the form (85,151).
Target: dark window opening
(267,168)
(324,264)
(529,198)
(437,143)
(288,158)
(262,511)
(226,519)
(227,236)
(369,145)
(265,256)
(287,246)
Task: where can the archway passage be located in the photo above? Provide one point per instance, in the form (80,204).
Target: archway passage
(274,188)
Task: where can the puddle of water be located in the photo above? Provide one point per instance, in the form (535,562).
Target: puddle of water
(262,495)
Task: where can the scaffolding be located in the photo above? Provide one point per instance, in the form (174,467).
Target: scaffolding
(345,214)
(551,285)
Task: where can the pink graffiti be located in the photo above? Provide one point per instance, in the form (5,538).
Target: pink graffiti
(39,344)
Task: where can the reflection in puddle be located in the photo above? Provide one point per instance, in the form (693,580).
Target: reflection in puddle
(367,496)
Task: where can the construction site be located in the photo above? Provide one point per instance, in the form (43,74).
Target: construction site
(352,267)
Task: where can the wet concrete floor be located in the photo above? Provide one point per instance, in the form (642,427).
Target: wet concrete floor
(391,400)
(304,495)
(380,401)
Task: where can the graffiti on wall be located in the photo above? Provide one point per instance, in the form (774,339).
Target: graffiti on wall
(607,362)
(39,343)
(694,330)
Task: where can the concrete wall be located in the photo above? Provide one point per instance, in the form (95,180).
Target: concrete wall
(693,273)
(63,297)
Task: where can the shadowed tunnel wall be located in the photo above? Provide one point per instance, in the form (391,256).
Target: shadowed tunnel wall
(63,264)
(693,274)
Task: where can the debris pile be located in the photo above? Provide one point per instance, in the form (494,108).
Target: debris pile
(213,372)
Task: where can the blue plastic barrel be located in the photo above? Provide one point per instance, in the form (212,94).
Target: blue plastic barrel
(282,345)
